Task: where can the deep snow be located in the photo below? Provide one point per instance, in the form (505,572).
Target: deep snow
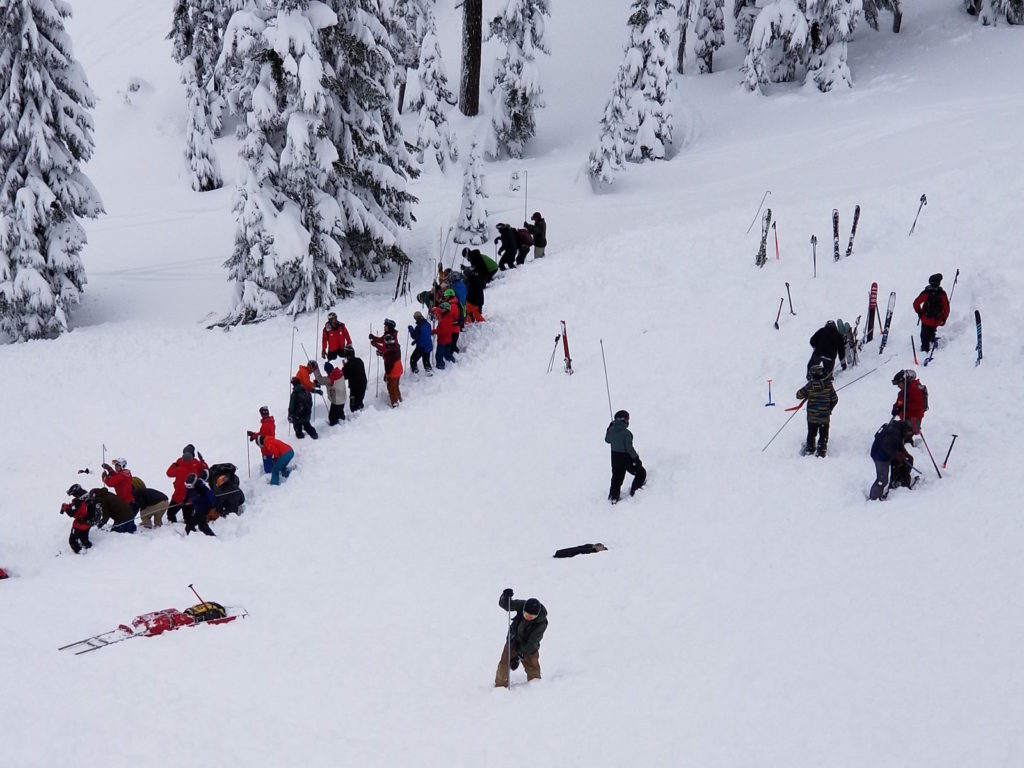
(752,609)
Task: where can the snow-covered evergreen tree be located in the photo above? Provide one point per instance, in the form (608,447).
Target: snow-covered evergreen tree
(617,125)
(1011,10)
(745,12)
(45,136)
(472,224)
(790,35)
(709,31)
(374,164)
(647,78)
(199,149)
(434,136)
(517,88)
(407,26)
(872,7)
(289,224)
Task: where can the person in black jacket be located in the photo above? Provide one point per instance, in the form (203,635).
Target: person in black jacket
(539,230)
(827,343)
(355,376)
(202,502)
(300,408)
(524,635)
(509,248)
(889,455)
(152,504)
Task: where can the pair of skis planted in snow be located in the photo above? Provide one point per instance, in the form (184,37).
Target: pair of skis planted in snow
(835,232)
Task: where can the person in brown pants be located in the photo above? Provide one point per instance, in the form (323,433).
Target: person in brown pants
(524,636)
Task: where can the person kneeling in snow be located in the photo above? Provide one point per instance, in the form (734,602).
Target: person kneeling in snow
(888,453)
(281,453)
(524,636)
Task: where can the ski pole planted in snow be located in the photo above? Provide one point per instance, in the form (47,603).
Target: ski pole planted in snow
(763,197)
(955,278)
(913,348)
(779,313)
(551,362)
(921,433)
(248,463)
(765,405)
(814,253)
(790,296)
(945,460)
(924,202)
(196,594)
(609,390)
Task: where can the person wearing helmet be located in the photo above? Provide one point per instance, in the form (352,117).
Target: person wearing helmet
(481,263)
(446,316)
(179,470)
(387,347)
(912,399)
(300,410)
(201,503)
(354,372)
(458,284)
(892,461)
(119,478)
(522,644)
(82,510)
(821,400)
(335,337)
(827,342)
(116,510)
(539,231)
(334,383)
(305,375)
(422,343)
(268,428)
(509,248)
(932,308)
(458,318)
(624,457)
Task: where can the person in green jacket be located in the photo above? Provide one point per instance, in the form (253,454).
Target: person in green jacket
(624,457)
(524,636)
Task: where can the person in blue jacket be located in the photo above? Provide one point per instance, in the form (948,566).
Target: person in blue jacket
(461,291)
(892,461)
(422,342)
(202,500)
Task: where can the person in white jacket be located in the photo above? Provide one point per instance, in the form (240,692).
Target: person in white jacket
(334,383)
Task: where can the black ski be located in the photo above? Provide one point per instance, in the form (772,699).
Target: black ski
(977,323)
(853,231)
(835,233)
(869,329)
(762,252)
(888,320)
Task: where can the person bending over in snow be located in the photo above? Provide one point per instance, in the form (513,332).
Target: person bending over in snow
(912,400)
(524,636)
(281,452)
(827,342)
(624,457)
(888,453)
(821,399)
(201,503)
(115,509)
(509,248)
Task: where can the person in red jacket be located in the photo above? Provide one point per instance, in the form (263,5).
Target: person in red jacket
(188,464)
(932,307)
(281,452)
(446,315)
(80,509)
(912,400)
(335,337)
(268,428)
(120,479)
(387,346)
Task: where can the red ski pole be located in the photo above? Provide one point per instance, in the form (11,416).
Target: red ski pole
(776,231)
(913,348)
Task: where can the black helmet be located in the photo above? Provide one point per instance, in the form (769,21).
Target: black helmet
(264,410)
(816,372)
(188,451)
(897,380)
(191,480)
(622,415)
(935,279)
(76,491)
(389,323)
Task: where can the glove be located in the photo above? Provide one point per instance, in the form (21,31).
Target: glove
(200,455)
(843,363)
(318,391)
(251,436)
(108,468)
(371,337)
(507,593)
(638,462)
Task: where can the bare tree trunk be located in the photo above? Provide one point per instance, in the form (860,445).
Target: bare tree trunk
(401,92)
(472,38)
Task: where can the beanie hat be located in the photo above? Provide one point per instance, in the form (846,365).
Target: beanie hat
(188,452)
(418,315)
(935,279)
(536,216)
(328,367)
(532,606)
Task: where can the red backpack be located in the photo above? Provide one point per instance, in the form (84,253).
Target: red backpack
(525,238)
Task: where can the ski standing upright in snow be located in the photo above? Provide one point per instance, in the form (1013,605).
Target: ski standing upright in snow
(835,233)
(888,320)
(565,347)
(762,251)
(977,323)
(853,231)
(869,329)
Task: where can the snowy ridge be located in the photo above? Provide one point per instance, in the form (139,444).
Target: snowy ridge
(752,608)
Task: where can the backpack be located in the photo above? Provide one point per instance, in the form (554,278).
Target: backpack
(94,510)
(525,238)
(933,304)
(201,612)
(924,394)
(137,483)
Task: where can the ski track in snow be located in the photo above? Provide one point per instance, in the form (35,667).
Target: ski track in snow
(753,608)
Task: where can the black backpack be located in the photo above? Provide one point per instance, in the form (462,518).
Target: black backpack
(933,304)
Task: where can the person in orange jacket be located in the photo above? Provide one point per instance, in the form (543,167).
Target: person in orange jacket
(335,337)
(305,375)
(281,452)
(188,464)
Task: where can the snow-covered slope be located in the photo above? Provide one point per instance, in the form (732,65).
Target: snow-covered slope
(752,609)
